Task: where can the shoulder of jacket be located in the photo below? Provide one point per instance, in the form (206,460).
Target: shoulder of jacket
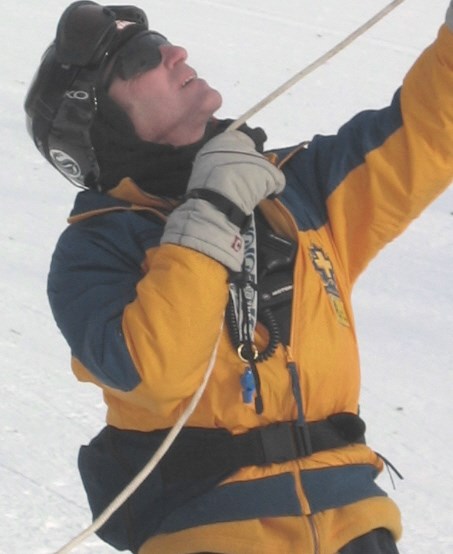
(281,156)
(126,196)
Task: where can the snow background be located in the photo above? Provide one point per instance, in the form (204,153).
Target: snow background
(404,302)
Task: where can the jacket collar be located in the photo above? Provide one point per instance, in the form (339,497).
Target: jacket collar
(125,196)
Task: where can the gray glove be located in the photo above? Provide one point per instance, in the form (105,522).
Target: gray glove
(449,16)
(228,180)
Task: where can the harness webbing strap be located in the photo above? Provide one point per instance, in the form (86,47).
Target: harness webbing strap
(205,453)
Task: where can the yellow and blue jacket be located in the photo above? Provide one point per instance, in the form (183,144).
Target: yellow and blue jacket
(142,320)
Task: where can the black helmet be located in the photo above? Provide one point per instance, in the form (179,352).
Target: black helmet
(61,102)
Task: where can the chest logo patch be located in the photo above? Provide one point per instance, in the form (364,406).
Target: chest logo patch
(323,265)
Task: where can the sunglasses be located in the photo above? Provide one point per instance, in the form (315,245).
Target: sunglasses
(138,54)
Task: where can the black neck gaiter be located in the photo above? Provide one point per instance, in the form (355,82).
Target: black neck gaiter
(159,169)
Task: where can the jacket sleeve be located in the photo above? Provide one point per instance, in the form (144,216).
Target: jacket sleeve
(136,313)
(172,325)
(385,166)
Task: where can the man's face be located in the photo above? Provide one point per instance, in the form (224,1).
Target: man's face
(168,104)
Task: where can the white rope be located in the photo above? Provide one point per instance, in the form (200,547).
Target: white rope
(173,433)
(314,65)
(149,467)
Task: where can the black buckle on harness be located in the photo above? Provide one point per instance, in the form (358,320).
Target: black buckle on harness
(282,442)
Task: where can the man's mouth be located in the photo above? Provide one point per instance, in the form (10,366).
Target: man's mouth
(188,80)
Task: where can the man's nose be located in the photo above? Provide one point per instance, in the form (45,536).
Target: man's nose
(172,54)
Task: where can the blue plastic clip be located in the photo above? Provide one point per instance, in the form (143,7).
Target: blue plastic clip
(248,386)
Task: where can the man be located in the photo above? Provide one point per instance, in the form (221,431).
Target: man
(184,227)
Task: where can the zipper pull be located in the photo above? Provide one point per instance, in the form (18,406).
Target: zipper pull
(300,422)
(295,386)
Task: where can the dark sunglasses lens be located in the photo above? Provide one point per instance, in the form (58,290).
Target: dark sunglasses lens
(140,54)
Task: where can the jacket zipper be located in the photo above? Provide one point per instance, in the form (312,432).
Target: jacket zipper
(293,370)
(314,534)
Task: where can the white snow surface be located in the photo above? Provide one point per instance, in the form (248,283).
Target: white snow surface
(404,301)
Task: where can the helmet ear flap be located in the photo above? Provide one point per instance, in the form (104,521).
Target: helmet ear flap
(59,109)
(69,142)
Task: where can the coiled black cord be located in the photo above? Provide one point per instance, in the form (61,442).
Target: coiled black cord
(267,318)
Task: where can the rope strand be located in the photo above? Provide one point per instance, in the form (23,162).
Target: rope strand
(317,63)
